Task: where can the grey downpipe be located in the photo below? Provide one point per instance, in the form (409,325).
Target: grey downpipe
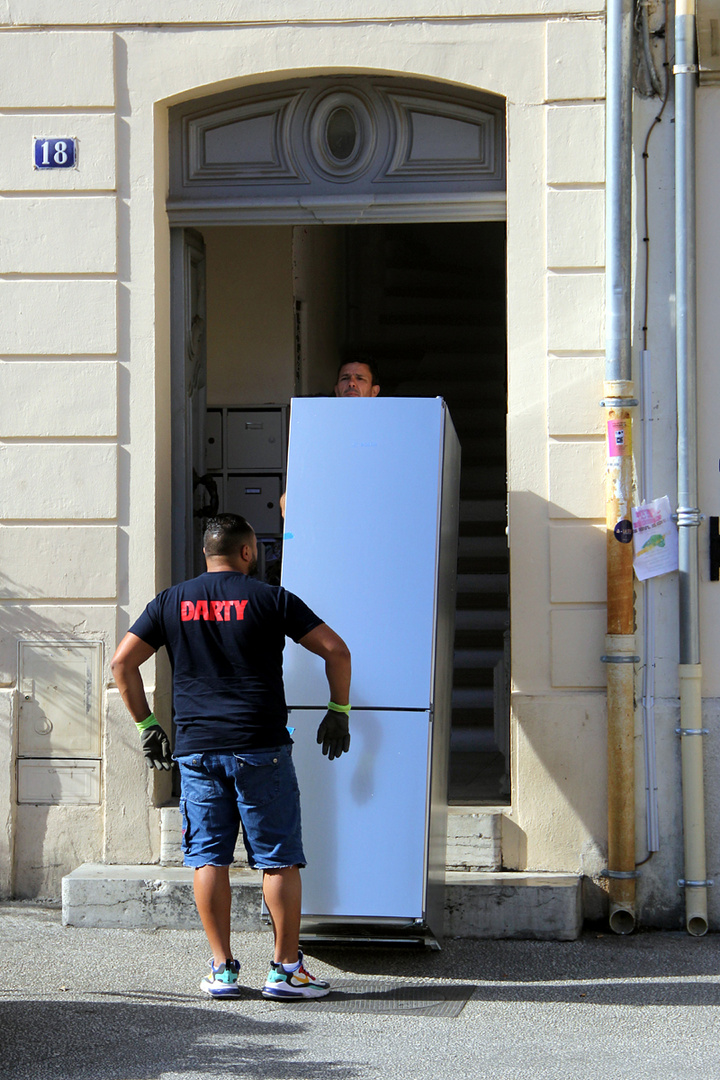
(619,398)
(688,513)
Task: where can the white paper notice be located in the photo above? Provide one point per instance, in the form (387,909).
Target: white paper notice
(655,539)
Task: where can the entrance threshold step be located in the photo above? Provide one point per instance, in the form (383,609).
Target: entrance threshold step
(492,904)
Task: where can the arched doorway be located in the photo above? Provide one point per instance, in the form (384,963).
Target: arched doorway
(366,213)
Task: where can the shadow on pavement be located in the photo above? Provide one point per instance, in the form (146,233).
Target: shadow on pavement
(117,1040)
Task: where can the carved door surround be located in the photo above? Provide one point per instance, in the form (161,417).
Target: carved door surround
(338,149)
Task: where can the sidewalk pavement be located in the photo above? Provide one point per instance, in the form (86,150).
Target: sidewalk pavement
(91,1004)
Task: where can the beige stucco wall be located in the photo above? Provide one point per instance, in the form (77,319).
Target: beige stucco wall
(93,311)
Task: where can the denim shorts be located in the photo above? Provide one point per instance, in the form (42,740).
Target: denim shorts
(256,791)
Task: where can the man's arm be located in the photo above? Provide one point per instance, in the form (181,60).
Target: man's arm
(334,730)
(325,643)
(125,666)
(130,654)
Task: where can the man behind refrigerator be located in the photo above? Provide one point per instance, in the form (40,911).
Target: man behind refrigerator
(225,633)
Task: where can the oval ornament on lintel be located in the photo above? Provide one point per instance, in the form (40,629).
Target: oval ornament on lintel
(341,135)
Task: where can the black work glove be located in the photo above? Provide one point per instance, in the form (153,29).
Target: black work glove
(334,734)
(156,747)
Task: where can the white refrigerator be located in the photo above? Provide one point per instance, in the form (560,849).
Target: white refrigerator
(370,544)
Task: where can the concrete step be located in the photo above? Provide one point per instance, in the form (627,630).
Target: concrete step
(473,841)
(474,838)
(541,907)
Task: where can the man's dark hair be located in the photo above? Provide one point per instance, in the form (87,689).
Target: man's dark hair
(226,534)
(361,358)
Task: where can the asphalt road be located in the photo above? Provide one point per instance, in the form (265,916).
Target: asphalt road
(78,1004)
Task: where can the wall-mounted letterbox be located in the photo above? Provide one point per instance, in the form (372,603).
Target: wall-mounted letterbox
(256,498)
(245,451)
(255,439)
(59,721)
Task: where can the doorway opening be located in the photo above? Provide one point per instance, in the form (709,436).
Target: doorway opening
(427,302)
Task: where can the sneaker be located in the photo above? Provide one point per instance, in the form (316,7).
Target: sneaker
(293,984)
(222,980)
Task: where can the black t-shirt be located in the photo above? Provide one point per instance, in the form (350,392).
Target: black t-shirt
(225,634)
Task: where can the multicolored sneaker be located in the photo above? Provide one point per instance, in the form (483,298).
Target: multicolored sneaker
(293,984)
(222,980)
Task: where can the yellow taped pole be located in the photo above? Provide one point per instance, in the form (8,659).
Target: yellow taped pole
(691,750)
(619,660)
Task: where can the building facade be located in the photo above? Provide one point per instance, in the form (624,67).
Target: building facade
(246,173)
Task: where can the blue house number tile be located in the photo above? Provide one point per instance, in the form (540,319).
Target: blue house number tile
(55,153)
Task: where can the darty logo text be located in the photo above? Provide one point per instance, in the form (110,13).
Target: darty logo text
(212,610)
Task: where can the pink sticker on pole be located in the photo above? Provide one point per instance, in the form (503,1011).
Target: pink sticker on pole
(619,438)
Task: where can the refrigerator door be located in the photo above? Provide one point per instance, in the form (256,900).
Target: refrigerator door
(361,542)
(364,816)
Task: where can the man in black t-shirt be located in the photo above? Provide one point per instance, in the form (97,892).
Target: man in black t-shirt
(225,633)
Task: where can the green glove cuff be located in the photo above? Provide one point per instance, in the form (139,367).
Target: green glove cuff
(339,708)
(149,721)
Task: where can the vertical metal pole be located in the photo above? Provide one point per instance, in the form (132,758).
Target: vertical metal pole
(619,397)
(688,514)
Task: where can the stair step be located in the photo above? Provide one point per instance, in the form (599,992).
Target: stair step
(482,904)
(465,697)
(477,658)
(482,583)
(479,547)
(474,839)
(482,620)
(483,510)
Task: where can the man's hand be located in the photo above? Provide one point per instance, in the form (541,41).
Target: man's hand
(156,746)
(334,734)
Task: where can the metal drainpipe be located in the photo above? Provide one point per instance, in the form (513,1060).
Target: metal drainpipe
(688,514)
(619,398)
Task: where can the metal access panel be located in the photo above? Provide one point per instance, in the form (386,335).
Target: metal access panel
(54,782)
(256,498)
(60,707)
(254,439)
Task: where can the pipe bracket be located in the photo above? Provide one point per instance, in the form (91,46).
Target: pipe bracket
(688,515)
(685,69)
(619,402)
(692,731)
(621,875)
(620,659)
(683,884)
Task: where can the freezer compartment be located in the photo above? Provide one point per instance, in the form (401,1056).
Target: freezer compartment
(365,816)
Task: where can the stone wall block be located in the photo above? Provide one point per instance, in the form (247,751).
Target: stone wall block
(57,68)
(576,312)
(576,479)
(578,570)
(576,228)
(575,388)
(576,144)
(58,236)
(60,399)
(95,170)
(578,642)
(575,59)
(70,480)
(58,562)
(58,317)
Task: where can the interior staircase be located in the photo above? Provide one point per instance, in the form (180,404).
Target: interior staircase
(428,302)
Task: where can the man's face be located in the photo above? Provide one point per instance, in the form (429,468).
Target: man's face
(355,380)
